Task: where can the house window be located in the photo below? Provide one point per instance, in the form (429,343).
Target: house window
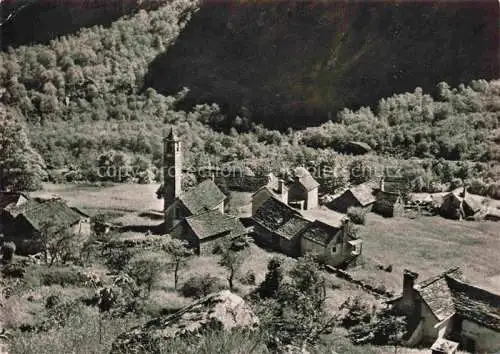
(334,249)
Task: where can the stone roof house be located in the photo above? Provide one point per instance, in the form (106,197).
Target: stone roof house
(29,219)
(360,196)
(278,226)
(201,230)
(284,229)
(334,244)
(445,306)
(280,192)
(304,189)
(204,197)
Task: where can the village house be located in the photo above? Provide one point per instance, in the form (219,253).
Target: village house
(336,245)
(303,192)
(277,225)
(360,196)
(28,220)
(284,229)
(280,192)
(446,307)
(201,230)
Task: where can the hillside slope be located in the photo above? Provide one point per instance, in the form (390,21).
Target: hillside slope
(39,21)
(303,61)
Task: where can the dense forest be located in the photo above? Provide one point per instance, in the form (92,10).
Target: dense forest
(296,63)
(84,101)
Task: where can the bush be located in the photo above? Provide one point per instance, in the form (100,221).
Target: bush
(46,276)
(357,313)
(13,271)
(7,251)
(357,215)
(248,278)
(201,285)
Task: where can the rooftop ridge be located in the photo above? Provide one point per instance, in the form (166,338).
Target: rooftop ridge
(433,279)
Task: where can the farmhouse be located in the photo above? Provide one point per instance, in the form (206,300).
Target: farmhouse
(27,221)
(388,204)
(446,307)
(360,196)
(334,244)
(278,226)
(203,229)
(304,190)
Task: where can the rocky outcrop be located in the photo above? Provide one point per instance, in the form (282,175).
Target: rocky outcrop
(222,311)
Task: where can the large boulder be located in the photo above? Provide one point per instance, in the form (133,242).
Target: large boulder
(221,311)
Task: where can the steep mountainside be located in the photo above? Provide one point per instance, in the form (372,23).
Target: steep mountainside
(38,21)
(292,63)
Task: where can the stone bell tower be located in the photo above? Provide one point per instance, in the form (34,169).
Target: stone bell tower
(172,168)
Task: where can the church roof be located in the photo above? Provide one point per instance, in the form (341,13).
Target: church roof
(204,197)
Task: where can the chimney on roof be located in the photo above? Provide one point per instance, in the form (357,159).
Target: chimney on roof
(382,184)
(283,191)
(409,278)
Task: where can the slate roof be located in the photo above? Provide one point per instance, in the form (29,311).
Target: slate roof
(8,198)
(273,214)
(214,223)
(472,203)
(475,304)
(436,293)
(204,197)
(305,179)
(55,212)
(363,194)
(292,227)
(319,232)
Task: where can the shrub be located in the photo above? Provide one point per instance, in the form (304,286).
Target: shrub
(200,285)
(357,313)
(13,271)
(248,278)
(46,276)
(357,215)
(7,251)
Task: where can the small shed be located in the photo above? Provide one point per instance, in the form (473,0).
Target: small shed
(388,204)
(202,229)
(360,196)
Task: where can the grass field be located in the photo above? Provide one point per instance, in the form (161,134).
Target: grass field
(120,197)
(429,245)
